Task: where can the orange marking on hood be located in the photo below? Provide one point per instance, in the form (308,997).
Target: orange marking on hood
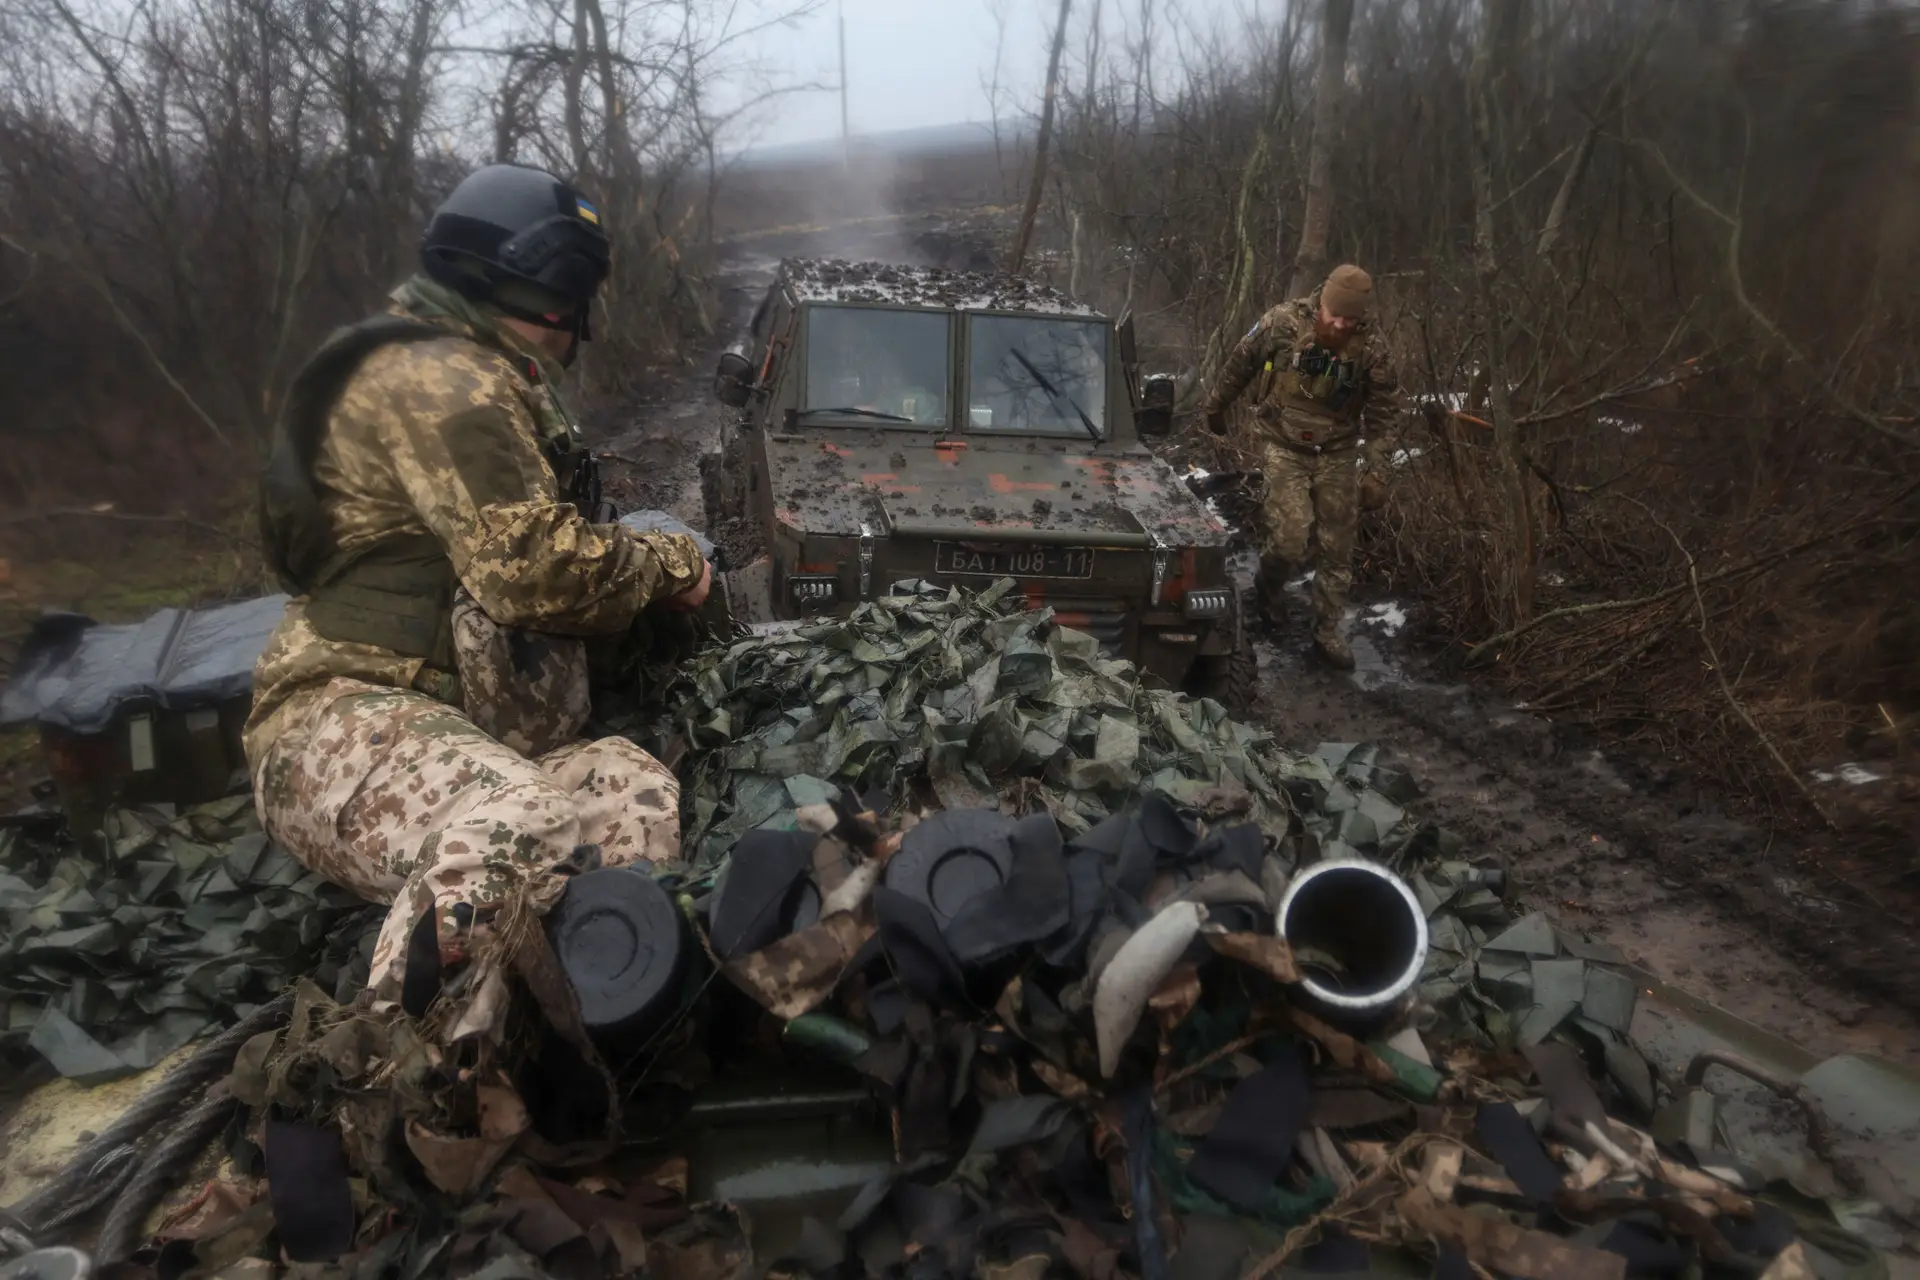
(889,481)
(828,446)
(1102,469)
(1000,484)
(948,451)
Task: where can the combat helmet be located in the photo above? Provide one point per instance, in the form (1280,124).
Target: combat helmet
(521,240)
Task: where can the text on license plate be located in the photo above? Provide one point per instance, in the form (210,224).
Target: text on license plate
(1014,562)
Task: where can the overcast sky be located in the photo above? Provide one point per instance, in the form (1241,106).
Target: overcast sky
(924,62)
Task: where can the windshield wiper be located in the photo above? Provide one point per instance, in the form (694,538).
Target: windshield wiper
(1056,393)
(852,412)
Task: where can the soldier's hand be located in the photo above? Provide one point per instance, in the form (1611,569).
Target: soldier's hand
(1217,422)
(696,595)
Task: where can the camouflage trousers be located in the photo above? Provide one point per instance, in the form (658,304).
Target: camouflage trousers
(401,799)
(1315,497)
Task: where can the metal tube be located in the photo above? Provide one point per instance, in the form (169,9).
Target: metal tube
(1358,934)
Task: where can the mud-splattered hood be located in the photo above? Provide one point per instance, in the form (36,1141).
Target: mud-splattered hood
(830,483)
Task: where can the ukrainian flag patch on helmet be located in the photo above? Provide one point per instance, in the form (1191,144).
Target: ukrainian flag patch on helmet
(587,211)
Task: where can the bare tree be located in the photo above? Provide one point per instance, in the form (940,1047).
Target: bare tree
(1650,275)
(1310,262)
(1017,258)
(1514,550)
(192,192)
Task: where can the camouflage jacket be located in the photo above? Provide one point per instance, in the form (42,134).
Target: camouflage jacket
(1303,411)
(446,437)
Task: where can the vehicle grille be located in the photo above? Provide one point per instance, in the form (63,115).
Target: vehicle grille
(1104,620)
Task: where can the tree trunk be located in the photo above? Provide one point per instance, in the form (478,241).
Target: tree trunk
(1563,198)
(1034,190)
(1243,270)
(620,154)
(1513,530)
(576,111)
(1310,263)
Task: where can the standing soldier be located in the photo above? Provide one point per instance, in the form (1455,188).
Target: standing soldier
(1323,382)
(416,717)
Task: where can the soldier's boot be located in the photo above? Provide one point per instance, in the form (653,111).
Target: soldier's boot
(1270,590)
(1332,648)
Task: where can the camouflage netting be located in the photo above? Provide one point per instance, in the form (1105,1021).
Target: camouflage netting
(939,698)
(1101,1067)
(120,949)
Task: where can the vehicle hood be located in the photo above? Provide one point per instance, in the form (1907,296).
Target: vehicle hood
(830,485)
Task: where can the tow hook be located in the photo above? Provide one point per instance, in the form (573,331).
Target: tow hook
(1159,566)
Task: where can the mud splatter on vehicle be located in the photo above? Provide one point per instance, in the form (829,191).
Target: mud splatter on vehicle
(1011,413)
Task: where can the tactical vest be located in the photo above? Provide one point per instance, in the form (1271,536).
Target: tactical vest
(396,595)
(1319,409)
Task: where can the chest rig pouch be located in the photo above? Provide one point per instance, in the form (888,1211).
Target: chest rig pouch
(1326,379)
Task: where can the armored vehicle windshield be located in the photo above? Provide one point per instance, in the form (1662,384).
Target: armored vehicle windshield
(878,362)
(1039,375)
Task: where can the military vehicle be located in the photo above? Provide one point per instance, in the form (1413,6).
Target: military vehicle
(901,423)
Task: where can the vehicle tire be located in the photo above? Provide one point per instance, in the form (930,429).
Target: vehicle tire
(1230,679)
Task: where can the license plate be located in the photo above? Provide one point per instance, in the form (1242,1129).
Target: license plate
(1013,562)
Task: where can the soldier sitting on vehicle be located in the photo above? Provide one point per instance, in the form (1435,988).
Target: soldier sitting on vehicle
(1324,380)
(416,718)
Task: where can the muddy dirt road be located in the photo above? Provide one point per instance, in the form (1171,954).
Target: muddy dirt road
(1638,856)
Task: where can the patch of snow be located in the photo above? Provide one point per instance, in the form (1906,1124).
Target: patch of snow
(1854,775)
(1198,473)
(1454,400)
(1401,457)
(1554,578)
(1625,426)
(1388,616)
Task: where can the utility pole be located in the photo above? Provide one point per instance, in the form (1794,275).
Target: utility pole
(846,137)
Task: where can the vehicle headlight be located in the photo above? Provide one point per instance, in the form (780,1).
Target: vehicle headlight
(1210,602)
(813,589)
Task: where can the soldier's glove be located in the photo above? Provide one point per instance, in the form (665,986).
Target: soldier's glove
(1217,423)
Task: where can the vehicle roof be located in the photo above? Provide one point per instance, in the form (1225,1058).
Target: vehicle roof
(835,280)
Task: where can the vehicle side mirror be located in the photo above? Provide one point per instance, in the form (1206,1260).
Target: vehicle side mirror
(1155,417)
(733,379)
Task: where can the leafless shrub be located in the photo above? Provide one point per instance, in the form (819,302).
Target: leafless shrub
(192,192)
(1649,270)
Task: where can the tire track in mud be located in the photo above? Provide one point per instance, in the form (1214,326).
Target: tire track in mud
(1654,866)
